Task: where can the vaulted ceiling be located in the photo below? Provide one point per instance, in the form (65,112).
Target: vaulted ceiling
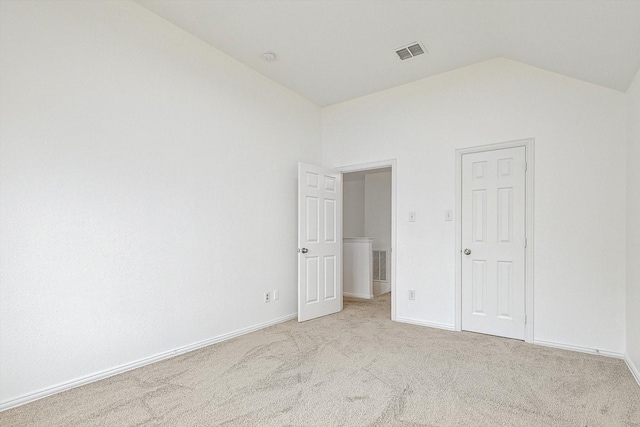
(333,51)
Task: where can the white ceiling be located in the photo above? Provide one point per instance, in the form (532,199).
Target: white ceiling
(333,51)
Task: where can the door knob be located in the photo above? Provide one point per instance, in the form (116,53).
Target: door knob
(304,250)
(467,251)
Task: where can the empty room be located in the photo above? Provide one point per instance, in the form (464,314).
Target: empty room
(319,213)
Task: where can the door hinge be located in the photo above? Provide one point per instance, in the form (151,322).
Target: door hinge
(525,166)
(525,319)
(525,242)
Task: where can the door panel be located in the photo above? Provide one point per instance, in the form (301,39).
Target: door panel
(479,286)
(319,241)
(312,219)
(493,232)
(312,277)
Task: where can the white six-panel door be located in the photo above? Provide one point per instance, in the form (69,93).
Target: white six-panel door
(493,242)
(319,241)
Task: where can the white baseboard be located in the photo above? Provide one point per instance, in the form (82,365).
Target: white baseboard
(579,349)
(27,398)
(633,368)
(428,324)
(361,296)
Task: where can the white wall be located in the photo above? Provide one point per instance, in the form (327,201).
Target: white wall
(357,260)
(377,220)
(148,190)
(353,206)
(367,206)
(377,209)
(633,226)
(579,132)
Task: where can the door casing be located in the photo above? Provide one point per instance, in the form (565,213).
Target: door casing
(528,144)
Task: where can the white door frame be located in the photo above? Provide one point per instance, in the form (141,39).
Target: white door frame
(528,144)
(379,165)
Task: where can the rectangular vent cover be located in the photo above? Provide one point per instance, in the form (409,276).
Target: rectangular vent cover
(380,266)
(410,51)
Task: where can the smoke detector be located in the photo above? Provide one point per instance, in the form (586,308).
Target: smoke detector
(411,50)
(269,56)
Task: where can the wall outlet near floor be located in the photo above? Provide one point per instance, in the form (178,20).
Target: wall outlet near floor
(267,296)
(275,294)
(412,295)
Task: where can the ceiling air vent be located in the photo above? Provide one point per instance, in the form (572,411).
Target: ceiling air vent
(410,51)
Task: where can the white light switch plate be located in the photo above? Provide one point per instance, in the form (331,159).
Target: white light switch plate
(412,216)
(448,216)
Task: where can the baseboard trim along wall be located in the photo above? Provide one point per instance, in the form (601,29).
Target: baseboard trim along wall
(427,324)
(137,364)
(185,349)
(351,295)
(579,349)
(633,368)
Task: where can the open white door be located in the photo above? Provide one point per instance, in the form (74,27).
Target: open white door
(319,241)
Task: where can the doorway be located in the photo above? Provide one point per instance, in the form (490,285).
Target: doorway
(494,239)
(369,230)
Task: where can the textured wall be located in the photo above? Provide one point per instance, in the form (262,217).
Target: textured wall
(353,207)
(377,210)
(148,190)
(633,225)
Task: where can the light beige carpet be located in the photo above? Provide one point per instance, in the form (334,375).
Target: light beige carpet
(356,368)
